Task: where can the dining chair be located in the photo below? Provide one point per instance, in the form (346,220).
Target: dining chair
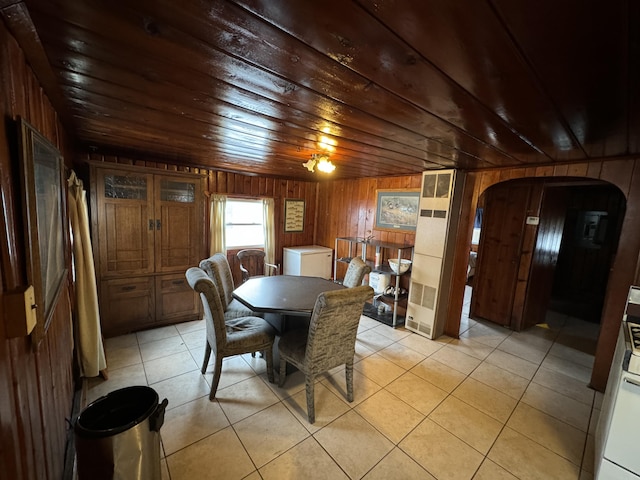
(252,263)
(232,337)
(356,271)
(329,342)
(218,269)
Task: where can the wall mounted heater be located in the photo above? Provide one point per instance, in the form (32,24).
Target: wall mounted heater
(433,255)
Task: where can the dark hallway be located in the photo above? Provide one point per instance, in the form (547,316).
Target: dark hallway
(590,236)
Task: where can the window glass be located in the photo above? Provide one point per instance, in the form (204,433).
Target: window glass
(183,192)
(129,187)
(244,223)
(477,225)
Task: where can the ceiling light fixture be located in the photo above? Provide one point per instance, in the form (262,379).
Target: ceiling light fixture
(321,160)
(326,143)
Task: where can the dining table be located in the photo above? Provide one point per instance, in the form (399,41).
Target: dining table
(286,301)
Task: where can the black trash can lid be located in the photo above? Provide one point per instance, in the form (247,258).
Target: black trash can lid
(116,412)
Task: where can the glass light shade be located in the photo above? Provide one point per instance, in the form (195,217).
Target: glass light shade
(326,166)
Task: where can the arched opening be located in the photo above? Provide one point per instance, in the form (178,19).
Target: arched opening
(624,271)
(546,244)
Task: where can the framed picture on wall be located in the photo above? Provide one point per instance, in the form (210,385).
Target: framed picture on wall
(397,210)
(293,215)
(44,211)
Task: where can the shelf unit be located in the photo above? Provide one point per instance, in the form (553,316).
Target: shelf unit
(381,252)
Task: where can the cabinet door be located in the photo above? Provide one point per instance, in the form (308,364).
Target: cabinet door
(125,222)
(127,305)
(179,222)
(175,299)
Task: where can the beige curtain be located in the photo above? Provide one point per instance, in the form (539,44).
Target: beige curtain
(88,332)
(268,210)
(217,224)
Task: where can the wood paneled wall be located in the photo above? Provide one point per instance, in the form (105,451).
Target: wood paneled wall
(36,386)
(243,186)
(342,208)
(346,208)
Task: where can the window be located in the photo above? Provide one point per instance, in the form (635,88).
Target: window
(477,225)
(244,223)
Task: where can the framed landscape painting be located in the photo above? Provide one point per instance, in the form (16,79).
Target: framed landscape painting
(397,210)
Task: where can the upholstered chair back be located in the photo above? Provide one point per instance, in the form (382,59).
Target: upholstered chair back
(355,272)
(212,305)
(217,267)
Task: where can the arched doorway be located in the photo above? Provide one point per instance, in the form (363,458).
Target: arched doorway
(545,244)
(623,173)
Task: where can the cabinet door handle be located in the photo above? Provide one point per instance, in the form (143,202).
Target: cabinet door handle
(150,224)
(128,288)
(158,224)
(178,282)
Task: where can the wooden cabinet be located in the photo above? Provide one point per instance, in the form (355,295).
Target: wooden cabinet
(381,252)
(126,304)
(147,230)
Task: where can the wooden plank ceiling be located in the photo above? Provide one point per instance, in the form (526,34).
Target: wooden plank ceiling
(397,86)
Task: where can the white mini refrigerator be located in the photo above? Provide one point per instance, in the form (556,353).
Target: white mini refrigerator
(308,261)
(433,255)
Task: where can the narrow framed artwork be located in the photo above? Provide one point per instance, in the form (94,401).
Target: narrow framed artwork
(397,210)
(44,210)
(293,215)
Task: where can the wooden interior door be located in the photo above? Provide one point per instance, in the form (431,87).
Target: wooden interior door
(545,256)
(125,210)
(499,252)
(179,223)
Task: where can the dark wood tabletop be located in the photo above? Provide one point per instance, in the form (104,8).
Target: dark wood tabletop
(284,294)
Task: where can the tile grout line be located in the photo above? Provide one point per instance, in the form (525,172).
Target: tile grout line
(408,370)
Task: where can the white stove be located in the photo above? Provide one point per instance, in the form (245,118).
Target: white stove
(633,339)
(616,435)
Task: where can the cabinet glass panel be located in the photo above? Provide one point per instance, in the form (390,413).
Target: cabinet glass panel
(126,187)
(173,191)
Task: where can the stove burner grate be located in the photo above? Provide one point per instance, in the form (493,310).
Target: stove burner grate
(634,334)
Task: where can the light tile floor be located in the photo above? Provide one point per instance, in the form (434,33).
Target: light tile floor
(493,404)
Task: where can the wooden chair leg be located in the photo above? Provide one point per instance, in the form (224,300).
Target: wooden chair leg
(207,355)
(311,409)
(217,370)
(348,373)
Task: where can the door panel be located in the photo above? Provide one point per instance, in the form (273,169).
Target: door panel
(499,252)
(545,256)
(178,224)
(124,209)
(176,301)
(127,304)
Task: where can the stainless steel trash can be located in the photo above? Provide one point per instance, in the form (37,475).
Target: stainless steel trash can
(118,436)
